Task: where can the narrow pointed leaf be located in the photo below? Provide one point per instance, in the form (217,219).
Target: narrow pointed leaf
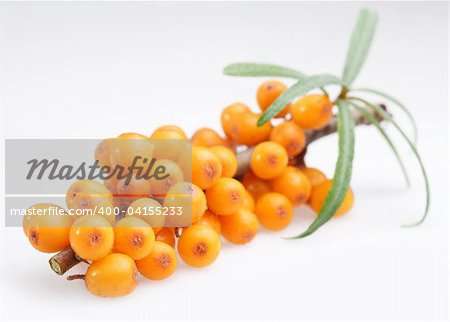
(298,89)
(396,102)
(359,45)
(372,120)
(387,117)
(342,171)
(261,70)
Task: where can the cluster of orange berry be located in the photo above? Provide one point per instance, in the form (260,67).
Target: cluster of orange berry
(220,203)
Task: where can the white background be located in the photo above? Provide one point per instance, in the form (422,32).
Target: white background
(96,70)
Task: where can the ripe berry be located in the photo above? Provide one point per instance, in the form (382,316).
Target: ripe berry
(168,133)
(240,227)
(91,237)
(47,232)
(229,116)
(206,167)
(294,184)
(249,202)
(274,211)
(268,92)
(160,263)
(127,192)
(268,160)
(319,194)
(211,219)
(207,138)
(102,153)
(124,151)
(290,136)
(131,135)
(227,159)
(167,236)
(147,209)
(199,245)
(192,201)
(91,195)
(133,237)
(113,275)
(254,185)
(173,128)
(314,175)
(172,170)
(312,112)
(246,131)
(226,196)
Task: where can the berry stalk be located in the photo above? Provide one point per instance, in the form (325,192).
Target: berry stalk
(64,260)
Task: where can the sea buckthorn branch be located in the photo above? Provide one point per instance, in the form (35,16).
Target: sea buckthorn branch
(359,46)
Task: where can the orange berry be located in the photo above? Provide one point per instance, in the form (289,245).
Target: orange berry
(207,137)
(314,175)
(199,245)
(240,227)
(102,153)
(229,116)
(123,151)
(87,196)
(127,192)
(47,227)
(133,237)
(111,185)
(191,202)
(268,160)
(113,275)
(211,219)
(312,112)
(171,146)
(268,92)
(274,211)
(290,136)
(149,210)
(167,236)
(226,196)
(160,263)
(249,202)
(206,167)
(168,134)
(246,131)
(172,173)
(131,135)
(227,159)
(294,184)
(91,237)
(171,128)
(254,185)
(320,192)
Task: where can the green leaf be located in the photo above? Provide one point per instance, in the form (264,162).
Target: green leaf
(298,89)
(387,117)
(396,102)
(369,117)
(359,45)
(259,70)
(342,171)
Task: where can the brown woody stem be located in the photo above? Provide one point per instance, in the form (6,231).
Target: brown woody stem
(64,260)
(76,277)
